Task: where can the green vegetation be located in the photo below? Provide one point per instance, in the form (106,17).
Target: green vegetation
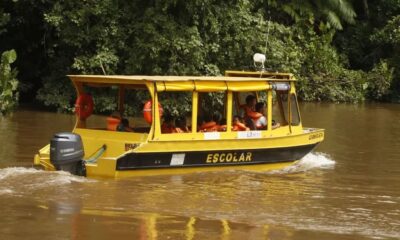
(8,82)
(340,50)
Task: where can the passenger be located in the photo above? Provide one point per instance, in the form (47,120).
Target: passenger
(123,126)
(168,124)
(217,118)
(250,106)
(181,126)
(261,123)
(275,124)
(208,125)
(251,114)
(222,125)
(238,125)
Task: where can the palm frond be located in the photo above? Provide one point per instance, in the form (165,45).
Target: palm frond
(331,11)
(334,20)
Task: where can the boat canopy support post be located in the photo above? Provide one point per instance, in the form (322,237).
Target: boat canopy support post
(269,112)
(151,87)
(195,100)
(156,115)
(229,111)
(79,123)
(121,99)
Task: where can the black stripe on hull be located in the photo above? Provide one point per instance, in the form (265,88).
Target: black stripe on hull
(132,161)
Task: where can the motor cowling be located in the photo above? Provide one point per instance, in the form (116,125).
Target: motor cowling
(66,153)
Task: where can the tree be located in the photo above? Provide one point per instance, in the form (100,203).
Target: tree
(8,82)
(330,12)
(4,19)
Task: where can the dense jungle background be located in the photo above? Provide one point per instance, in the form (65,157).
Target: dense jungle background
(340,50)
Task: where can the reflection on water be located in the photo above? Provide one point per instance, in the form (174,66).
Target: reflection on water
(199,206)
(348,189)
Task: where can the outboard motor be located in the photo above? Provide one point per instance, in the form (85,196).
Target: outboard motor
(66,153)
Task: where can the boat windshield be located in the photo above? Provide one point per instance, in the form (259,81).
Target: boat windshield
(177,111)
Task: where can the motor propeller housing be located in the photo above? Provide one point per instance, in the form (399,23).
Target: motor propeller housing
(66,153)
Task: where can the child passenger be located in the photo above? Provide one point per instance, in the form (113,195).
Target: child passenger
(261,122)
(123,126)
(168,124)
(181,126)
(209,124)
(238,125)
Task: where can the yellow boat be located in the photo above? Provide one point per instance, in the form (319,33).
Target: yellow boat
(160,147)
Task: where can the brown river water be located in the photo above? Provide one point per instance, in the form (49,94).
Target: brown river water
(348,188)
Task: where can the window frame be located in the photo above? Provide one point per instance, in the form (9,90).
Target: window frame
(294,110)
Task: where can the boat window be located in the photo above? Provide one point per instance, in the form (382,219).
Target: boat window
(295,121)
(177,112)
(253,116)
(134,103)
(118,108)
(239,100)
(246,107)
(281,109)
(211,112)
(105,100)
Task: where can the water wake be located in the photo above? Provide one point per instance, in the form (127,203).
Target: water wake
(14,180)
(6,173)
(313,160)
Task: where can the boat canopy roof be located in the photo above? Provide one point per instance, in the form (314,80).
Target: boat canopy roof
(232,76)
(234,81)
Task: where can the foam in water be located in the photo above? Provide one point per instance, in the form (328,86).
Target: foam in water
(6,191)
(20,177)
(6,173)
(310,161)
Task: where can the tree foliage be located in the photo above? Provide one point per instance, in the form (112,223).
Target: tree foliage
(372,43)
(176,37)
(4,19)
(330,13)
(8,82)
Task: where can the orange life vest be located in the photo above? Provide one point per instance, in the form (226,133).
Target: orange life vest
(251,113)
(112,123)
(209,127)
(240,127)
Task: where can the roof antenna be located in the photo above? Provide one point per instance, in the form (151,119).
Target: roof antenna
(266,40)
(259,58)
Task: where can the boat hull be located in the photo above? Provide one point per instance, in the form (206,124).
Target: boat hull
(126,157)
(261,168)
(136,161)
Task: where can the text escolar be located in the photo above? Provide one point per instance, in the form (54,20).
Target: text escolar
(229,157)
